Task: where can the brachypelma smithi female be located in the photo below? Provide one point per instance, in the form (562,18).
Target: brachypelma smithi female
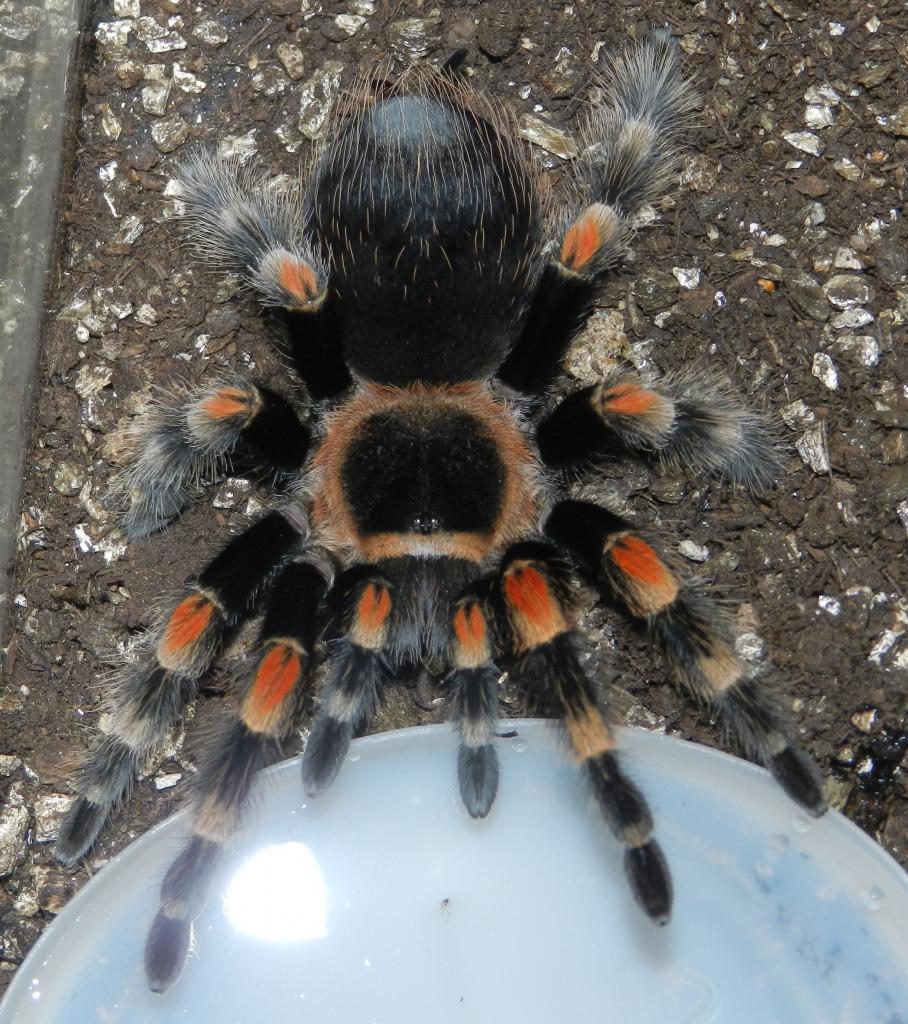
(431,289)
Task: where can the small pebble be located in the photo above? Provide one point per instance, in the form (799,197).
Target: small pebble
(316,97)
(211,33)
(13,826)
(154,98)
(818,115)
(806,142)
(350,23)
(413,39)
(847,259)
(238,147)
(854,317)
(688,279)
(113,38)
(865,720)
(848,290)
(109,123)
(895,123)
(545,135)
(798,413)
(824,370)
(830,605)
(292,60)
(167,781)
(864,346)
(49,811)
(694,552)
(68,479)
(170,133)
(847,169)
(812,448)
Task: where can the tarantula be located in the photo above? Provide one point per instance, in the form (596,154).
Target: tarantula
(431,290)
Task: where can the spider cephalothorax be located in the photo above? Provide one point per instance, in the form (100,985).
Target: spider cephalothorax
(430,289)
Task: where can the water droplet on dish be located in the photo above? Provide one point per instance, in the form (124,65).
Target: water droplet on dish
(873,897)
(353,757)
(801,824)
(519,745)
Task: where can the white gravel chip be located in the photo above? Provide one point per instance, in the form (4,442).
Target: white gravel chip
(818,116)
(545,135)
(848,290)
(350,23)
(316,97)
(830,605)
(170,133)
(824,93)
(186,81)
(694,552)
(812,448)
(687,278)
(798,414)
(847,259)
(167,781)
(49,811)
(864,346)
(155,96)
(13,826)
(854,317)
(895,123)
(68,479)
(92,379)
(750,647)
(847,169)
(109,123)
(210,32)
(806,142)
(113,38)
(238,147)
(824,370)
(292,60)
(157,38)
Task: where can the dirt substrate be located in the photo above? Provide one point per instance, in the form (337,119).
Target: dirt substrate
(781,260)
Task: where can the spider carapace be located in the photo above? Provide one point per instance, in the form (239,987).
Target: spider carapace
(430,287)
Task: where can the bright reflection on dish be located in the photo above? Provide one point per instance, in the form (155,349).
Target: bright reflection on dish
(278,895)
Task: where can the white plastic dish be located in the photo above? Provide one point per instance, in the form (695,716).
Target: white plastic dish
(382,902)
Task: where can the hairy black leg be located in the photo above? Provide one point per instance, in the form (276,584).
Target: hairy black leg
(561,306)
(313,344)
(532,598)
(185,436)
(259,229)
(269,712)
(150,694)
(695,636)
(690,419)
(474,680)
(628,159)
(606,419)
(357,670)
(242,222)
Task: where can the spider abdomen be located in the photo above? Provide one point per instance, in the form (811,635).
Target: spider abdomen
(430,215)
